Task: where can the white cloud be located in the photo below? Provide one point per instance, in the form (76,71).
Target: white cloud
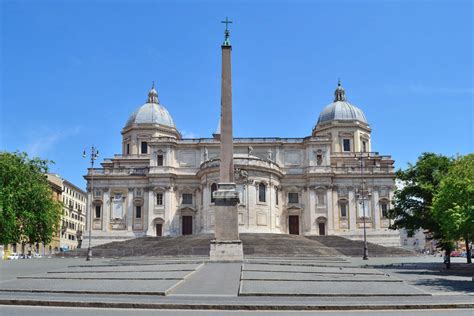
(187,134)
(47,138)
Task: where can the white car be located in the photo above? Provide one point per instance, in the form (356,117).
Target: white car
(37,255)
(13,256)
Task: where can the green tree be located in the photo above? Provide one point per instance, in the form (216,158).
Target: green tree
(28,212)
(453,205)
(413,201)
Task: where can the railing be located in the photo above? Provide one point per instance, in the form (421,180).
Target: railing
(365,170)
(120,171)
(357,155)
(133,156)
(251,140)
(243,161)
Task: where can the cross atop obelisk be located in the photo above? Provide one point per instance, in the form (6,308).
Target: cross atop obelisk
(226,32)
(226,246)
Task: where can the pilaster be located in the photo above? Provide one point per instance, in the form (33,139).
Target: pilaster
(352,211)
(330,211)
(130,209)
(106,205)
(376,208)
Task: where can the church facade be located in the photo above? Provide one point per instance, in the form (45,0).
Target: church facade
(328,183)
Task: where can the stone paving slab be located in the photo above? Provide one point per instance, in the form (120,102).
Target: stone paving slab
(312,269)
(285,276)
(123,275)
(115,268)
(326,288)
(212,279)
(299,259)
(154,287)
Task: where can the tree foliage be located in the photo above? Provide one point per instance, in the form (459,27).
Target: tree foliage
(413,202)
(453,205)
(28,212)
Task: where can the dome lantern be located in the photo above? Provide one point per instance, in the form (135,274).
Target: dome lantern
(339,94)
(153,95)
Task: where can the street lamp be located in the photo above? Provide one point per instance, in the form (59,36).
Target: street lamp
(93,155)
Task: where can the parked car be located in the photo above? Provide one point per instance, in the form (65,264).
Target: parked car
(37,255)
(13,256)
(455,254)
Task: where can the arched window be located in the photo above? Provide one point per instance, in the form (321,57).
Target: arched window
(384,208)
(159,159)
(213,189)
(343,207)
(261,192)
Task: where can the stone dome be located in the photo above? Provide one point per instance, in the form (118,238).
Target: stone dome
(341,109)
(152,112)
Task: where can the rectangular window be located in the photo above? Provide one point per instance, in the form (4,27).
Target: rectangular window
(293,197)
(159,198)
(97,211)
(128,149)
(187,198)
(138,212)
(160,160)
(346,143)
(364,146)
(384,210)
(343,209)
(144,148)
(276,196)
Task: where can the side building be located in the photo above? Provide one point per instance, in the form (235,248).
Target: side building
(74,216)
(72,220)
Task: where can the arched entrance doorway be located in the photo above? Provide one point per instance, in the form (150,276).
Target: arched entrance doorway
(158,226)
(321,222)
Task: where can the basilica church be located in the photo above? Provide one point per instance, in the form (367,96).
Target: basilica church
(331,182)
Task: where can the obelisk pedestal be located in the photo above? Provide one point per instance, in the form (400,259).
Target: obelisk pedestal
(226,246)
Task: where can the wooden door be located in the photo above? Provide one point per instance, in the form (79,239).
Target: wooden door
(322,229)
(187,225)
(294,224)
(159,230)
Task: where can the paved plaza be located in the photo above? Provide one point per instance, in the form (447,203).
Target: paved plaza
(306,283)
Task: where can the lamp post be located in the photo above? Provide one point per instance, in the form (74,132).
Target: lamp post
(362,193)
(93,155)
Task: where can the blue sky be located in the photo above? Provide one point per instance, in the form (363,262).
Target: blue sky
(73,71)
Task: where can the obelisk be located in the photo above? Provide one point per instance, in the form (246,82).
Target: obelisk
(226,246)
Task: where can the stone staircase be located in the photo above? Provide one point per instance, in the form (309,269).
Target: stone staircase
(355,248)
(255,245)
